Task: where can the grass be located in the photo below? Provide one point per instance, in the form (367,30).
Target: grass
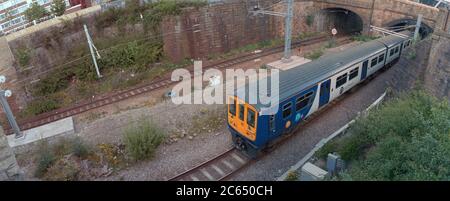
(315,54)
(411,55)
(48,155)
(23,57)
(405,139)
(143,139)
(207,121)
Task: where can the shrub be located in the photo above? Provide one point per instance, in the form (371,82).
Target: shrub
(23,55)
(406,139)
(41,105)
(331,43)
(310,20)
(315,54)
(45,159)
(292,176)
(329,147)
(411,55)
(142,140)
(79,148)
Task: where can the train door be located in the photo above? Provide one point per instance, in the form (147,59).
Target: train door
(240,120)
(324,93)
(364,70)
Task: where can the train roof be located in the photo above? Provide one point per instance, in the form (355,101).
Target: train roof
(302,77)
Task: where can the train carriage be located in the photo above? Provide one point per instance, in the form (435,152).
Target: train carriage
(306,89)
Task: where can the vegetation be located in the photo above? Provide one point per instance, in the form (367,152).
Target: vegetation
(23,57)
(406,139)
(58,7)
(45,159)
(40,105)
(127,59)
(292,176)
(331,43)
(309,20)
(315,54)
(411,55)
(142,140)
(50,159)
(208,121)
(35,12)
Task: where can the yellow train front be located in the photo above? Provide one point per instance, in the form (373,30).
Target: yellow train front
(243,124)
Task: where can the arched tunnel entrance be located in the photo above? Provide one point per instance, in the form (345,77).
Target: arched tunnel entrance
(345,21)
(424,30)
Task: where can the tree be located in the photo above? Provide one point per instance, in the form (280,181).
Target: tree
(35,12)
(58,7)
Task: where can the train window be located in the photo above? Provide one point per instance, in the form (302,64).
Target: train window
(381,58)
(353,73)
(374,62)
(341,80)
(272,123)
(241,112)
(251,117)
(232,106)
(287,110)
(391,52)
(396,49)
(303,101)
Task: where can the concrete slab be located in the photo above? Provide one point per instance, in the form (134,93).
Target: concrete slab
(296,61)
(63,126)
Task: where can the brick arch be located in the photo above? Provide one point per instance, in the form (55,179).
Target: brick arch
(425,29)
(363,12)
(360,18)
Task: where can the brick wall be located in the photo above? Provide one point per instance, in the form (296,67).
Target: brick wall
(214,29)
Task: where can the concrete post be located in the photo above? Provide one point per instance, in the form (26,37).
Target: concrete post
(91,48)
(288,31)
(419,22)
(9,169)
(9,114)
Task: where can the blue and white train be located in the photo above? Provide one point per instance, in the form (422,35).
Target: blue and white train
(306,89)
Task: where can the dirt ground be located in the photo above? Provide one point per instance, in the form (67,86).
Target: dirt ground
(191,139)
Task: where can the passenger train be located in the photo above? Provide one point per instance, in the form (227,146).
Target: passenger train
(308,88)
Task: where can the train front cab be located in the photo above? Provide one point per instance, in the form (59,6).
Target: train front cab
(243,123)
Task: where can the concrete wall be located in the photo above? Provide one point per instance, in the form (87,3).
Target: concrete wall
(9,170)
(437,77)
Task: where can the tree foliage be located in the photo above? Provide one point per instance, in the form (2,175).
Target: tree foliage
(35,12)
(407,139)
(58,7)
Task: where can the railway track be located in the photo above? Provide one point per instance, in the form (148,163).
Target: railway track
(216,169)
(62,113)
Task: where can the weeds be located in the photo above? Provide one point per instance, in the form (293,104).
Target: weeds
(23,56)
(315,54)
(292,176)
(142,140)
